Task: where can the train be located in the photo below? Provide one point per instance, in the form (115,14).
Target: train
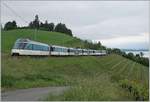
(29,47)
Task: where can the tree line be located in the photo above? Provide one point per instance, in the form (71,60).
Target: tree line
(137,58)
(95,46)
(36,24)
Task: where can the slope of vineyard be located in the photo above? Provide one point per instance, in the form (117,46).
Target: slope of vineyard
(110,77)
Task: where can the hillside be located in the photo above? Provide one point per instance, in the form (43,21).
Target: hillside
(42,36)
(90,77)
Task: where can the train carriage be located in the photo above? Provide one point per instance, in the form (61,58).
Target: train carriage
(59,50)
(28,47)
(85,52)
(71,51)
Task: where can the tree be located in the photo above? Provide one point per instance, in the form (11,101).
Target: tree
(137,55)
(130,55)
(109,50)
(10,25)
(117,51)
(47,26)
(35,23)
(51,26)
(63,29)
(141,54)
(99,43)
(31,25)
(14,24)
(41,24)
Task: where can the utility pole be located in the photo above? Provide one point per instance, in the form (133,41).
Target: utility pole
(36,24)
(35,31)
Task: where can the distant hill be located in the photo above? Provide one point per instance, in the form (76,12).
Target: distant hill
(134,49)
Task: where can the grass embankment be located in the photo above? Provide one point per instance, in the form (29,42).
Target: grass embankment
(91,78)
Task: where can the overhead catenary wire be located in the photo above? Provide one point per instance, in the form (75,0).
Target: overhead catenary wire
(14,12)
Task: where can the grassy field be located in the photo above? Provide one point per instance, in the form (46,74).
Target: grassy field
(90,77)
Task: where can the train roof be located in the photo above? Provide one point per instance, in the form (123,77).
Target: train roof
(59,46)
(30,41)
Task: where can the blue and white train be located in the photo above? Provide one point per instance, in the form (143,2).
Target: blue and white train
(29,47)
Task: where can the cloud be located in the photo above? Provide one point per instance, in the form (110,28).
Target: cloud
(136,41)
(93,20)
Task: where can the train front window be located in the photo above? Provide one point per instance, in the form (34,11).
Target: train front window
(20,45)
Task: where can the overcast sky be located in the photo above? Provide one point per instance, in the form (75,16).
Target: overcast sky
(121,24)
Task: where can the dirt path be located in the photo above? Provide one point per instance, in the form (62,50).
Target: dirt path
(32,94)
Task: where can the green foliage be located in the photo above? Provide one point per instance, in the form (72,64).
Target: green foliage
(130,55)
(10,25)
(35,24)
(116,50)
(141,54)
(137,58)
(139,91)
(47,26)
(96,88)
(95,46)
(63,29)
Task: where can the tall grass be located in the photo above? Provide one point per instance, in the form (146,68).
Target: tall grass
(96,88)
(90,77)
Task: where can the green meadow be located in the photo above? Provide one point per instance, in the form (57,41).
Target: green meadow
(110,77)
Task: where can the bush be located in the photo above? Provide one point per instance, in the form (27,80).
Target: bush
(136,89)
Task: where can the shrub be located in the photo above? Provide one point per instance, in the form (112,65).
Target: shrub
(136,89)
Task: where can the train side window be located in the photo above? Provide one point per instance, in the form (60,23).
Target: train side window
(57,49)
(22,45)
(65,49)
(29,47)
(35,47)
(40,47)
(45,48)
(62,49)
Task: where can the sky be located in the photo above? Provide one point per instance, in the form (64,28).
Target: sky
(119,24)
